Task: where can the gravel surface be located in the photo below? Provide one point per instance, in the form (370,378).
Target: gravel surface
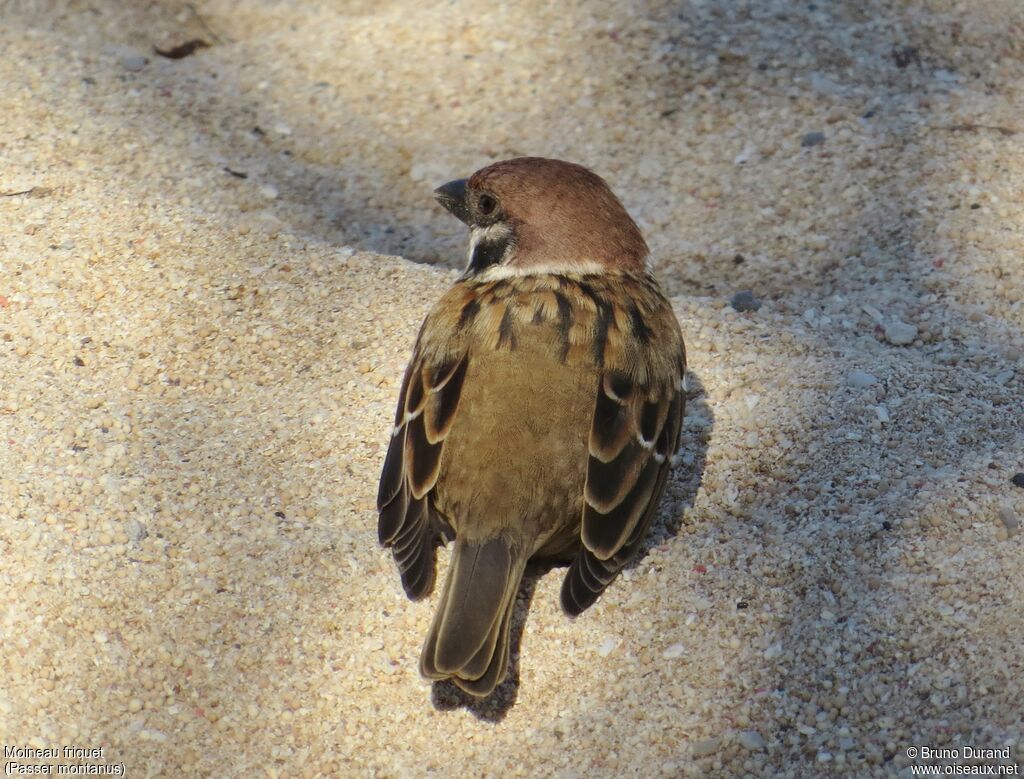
(201,342)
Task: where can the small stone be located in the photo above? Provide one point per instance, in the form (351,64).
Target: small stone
(883,414)
(136,531)
(812,139)
(674,651)
(899,333)
(133,62)
(750,740)
(269,191)
(860,379)
(1018,480)
(745,301)
(701,603)
(744,156)
(874,313)
(1009,517)
(607,647)
(704,748)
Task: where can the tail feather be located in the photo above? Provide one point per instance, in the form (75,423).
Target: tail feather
(494,672)
(468,639)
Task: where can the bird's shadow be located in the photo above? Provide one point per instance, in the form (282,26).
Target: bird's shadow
(680,493)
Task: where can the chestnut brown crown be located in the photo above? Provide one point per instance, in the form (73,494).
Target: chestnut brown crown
(532,214)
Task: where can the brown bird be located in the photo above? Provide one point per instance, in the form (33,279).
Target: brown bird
(539,413)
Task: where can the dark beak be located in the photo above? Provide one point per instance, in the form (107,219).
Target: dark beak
(453,197)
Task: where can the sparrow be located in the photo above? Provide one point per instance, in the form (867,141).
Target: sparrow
(539,413)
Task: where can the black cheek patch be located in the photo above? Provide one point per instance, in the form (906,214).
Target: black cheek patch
(488,253)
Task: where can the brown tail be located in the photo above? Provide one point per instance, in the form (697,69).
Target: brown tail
(468,639)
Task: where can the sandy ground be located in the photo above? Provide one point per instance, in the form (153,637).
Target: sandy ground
(200,343)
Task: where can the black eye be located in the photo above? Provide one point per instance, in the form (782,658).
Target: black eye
(487,204)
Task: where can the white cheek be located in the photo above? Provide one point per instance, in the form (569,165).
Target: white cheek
(474,239)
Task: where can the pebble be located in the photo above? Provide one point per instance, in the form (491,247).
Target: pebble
(873,312)
(674,651)
(136,531)
(1009,518)
(750,740)
(133,62)
(745,156)
(745,301)
(899,333)
(705,747)
(1018,480)
(812,139)
(607,647)
(860,379)
(700,603)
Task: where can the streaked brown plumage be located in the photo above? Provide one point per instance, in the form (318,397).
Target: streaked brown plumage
(539,411)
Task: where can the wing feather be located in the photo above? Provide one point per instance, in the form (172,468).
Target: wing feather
(442,401)
(611,427)
(635,431)
(422,458)
(427,405)
(604,534)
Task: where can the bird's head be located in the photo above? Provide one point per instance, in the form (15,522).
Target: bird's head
(535,215)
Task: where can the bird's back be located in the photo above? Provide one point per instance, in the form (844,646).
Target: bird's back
(515,459)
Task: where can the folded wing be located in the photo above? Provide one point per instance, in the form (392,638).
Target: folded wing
(427,404)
